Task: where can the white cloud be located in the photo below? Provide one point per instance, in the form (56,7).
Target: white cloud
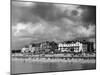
(37,28)
(16,29)
(80,31)
(64,7)
(53,30)
(69,36)
(31,29)
(24,29)
(83,31)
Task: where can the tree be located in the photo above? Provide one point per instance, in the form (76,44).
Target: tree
(54,46)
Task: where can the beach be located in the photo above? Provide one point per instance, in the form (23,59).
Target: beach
(36,63)
(55,60)
(50,65)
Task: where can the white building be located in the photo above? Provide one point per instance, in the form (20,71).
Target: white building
(69,47)
(23,50)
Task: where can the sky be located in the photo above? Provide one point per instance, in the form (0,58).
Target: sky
(38,22)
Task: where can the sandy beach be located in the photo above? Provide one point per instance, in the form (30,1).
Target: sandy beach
(47,60)
(56,62)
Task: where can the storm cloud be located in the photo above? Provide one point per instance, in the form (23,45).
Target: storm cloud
(38,21)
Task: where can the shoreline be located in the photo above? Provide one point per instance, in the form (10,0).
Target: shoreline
(55,58)
(49,60)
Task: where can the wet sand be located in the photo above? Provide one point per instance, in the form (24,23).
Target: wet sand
(31,65)
(46,60)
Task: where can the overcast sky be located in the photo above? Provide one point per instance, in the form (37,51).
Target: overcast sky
(37,22)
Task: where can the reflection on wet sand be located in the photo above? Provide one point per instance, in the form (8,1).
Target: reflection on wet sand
(27,67)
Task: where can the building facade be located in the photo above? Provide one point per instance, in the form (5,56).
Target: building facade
(76,46)
(70,47)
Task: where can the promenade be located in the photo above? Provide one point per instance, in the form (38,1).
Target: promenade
(63,58)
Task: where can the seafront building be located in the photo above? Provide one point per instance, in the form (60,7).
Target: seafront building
(25,49)
(76,46)
(70,47)
(65,46)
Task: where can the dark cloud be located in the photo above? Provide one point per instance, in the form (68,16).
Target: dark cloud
(89,15)
(22,13)
(46,11)
(47,21)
